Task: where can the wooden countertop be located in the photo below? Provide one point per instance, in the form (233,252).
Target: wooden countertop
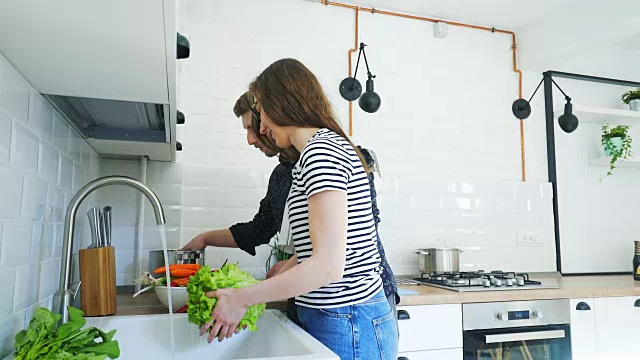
(569,287)
(148,304)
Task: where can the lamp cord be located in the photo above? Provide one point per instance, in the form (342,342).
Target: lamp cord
(358,62)
(534,93)
(369,75)
(538,87)
(563,93)
(366,63)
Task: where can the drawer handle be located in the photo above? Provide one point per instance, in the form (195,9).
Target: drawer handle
(583,306)
(637,303)
(404,314)
(403,358)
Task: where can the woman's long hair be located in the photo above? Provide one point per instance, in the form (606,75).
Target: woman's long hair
(291,95)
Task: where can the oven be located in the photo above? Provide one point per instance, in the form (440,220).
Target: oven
(517,330)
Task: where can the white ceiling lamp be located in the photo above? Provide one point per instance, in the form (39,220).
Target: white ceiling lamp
(440,30)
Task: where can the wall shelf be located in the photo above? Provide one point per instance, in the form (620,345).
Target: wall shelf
(604,161)
(599,115)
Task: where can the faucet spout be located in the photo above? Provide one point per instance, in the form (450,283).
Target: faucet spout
(62,297)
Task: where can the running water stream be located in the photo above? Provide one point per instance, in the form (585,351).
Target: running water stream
(163,238)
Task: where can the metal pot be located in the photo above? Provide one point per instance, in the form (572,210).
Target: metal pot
(156,258)
(438,260)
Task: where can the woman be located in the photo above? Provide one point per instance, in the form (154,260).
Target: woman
(335,274)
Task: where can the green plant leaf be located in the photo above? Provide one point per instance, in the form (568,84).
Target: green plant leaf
(229,276)
(109,348)
(41,342)
(76,322)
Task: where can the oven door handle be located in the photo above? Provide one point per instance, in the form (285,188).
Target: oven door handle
(524,336)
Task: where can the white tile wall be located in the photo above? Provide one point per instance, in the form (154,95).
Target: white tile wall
(75,145)
(34,199)
(450,172)
(40,115)
(6,297)
(49,163)
(5,137)
(37,175)
(60,133)
(16,245)
(25,149)
(14,92)
(10,193)
(65,175)
(125,201)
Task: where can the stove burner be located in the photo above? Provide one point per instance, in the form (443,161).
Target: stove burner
(493,279)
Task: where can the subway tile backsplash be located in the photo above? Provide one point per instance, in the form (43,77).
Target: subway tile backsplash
(37,174)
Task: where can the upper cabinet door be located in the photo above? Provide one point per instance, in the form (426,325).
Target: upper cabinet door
(583,329)
(115,49)
(617,321)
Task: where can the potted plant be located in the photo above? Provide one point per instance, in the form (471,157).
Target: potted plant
(632,98)
(617,144)
(278,253)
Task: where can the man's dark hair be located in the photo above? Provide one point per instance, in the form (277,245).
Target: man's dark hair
(242,105)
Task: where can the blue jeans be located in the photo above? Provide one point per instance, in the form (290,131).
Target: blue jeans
(364,331)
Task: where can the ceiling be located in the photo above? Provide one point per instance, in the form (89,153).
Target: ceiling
(548,30)
(515,14)
(519,15)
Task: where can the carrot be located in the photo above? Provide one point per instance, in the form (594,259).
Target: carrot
(181,281)
(182,272)
(194,267)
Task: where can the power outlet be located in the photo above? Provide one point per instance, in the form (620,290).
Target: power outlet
(528,239)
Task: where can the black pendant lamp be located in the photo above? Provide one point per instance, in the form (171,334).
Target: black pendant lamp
(350,88)
(568,122)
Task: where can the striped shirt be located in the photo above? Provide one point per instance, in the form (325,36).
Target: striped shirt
(329,162)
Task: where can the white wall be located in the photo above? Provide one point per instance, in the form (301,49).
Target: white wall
(42,162)
(165,180)
(448,145)
(597,214)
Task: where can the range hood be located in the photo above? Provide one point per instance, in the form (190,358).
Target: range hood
(108,67)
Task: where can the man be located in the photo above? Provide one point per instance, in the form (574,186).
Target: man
(267,222)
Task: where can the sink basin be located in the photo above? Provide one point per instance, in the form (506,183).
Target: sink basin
(147,337)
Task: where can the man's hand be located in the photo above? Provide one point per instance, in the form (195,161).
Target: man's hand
(197,243)
(275,268)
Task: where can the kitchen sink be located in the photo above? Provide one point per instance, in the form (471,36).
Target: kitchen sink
(148,337)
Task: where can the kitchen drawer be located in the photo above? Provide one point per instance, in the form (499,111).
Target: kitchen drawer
(583,329)
(430,327)
(444,354)
(616,322)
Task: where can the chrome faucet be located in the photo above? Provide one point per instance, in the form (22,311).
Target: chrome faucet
(63,296)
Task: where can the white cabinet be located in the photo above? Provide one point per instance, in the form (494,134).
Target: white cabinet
(617,320)
(445,354)
(583,329)
(430,327)
(108,67)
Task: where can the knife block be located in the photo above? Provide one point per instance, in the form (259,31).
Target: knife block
(98,281)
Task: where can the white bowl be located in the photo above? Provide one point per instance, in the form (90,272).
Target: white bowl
(179,296)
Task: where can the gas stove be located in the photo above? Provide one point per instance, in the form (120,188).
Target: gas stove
(482,281)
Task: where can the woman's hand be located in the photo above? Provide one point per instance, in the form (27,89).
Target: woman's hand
(226,314)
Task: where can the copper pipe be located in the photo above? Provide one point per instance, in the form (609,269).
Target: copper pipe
(352,51)
(452,23)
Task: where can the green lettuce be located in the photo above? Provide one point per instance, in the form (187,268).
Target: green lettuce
(41,341)
(229,276)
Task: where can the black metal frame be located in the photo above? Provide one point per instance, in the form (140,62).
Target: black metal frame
(551,145)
